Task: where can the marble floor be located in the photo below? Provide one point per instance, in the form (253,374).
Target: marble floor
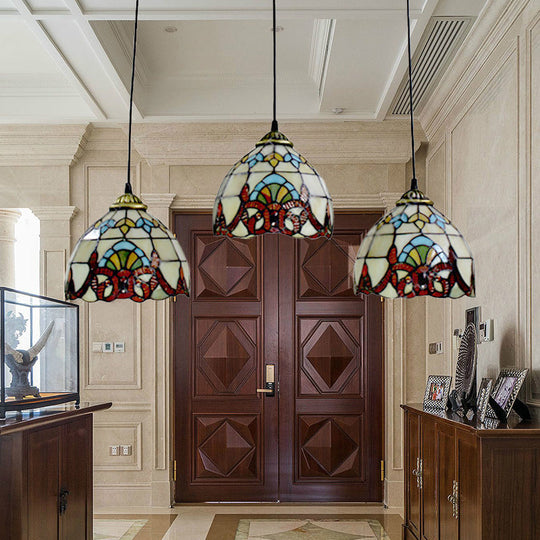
(250,522)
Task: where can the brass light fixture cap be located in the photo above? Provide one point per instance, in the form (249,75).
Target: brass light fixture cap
(414,196)
(128,200)
(274,137)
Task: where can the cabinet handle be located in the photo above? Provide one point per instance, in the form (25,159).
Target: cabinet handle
(418,473)
(62,501)
(454,499)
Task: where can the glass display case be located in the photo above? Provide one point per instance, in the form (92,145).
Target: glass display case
(39,351)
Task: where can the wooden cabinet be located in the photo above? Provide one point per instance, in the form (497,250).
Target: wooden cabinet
(46,475)
(466,482)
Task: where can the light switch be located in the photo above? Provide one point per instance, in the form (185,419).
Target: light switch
(486,330)
(119,347)
(97,346)
(108,347)
(114,450)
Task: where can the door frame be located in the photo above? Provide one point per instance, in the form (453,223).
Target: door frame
(393,351)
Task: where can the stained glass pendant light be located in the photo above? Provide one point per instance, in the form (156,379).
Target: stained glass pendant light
(127,253)
(414,250)
(273,189)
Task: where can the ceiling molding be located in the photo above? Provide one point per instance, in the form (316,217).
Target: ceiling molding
(221,144)
(51,47)
(125,41)
(214,10)
(31,144)
(487,32)
(42,84)
(321,45)
(401,65)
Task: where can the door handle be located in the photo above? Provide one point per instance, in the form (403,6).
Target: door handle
(270,384)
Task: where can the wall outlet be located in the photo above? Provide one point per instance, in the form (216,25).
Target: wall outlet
(108,347)
(119,347)
(97,346)
(436,348)
(114,450)
(126,450)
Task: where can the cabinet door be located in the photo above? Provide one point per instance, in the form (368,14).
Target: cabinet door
(468,477)
(76,477)
(413,493)
(430,524)
(43,459)
(446,457)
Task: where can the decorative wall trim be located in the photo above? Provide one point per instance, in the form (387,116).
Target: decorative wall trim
(527,231)
(136,383)
(158,200)
(136,458)
(54,213)
(224,143)
(130,406)
(36,144)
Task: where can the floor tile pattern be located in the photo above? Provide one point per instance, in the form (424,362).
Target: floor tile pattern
(310,529)
(117,529)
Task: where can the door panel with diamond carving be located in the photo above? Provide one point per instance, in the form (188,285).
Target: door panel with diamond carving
(226,433)
(331,371)
(275,300)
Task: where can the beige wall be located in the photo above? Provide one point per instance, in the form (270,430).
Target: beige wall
(482,169)
(72,182)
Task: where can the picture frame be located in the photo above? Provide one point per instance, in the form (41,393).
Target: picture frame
(437,390)
(484,391)
(506,390)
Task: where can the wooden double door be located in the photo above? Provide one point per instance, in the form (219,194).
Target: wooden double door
(286,303)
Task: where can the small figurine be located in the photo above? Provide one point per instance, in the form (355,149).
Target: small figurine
(20,365)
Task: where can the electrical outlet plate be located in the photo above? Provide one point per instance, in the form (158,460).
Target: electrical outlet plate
(108,347)
(97,346)
(114,450)
(119,347)
(125,449)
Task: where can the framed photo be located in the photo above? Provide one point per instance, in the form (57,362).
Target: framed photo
(437,390)
(507,387)
(483,398)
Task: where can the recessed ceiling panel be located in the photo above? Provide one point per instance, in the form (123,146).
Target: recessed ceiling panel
(361,62)
(20,51)
(41,5)
(223,68)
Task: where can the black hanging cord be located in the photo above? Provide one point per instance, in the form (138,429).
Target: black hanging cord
(128,183)
(274,31)
(414,181)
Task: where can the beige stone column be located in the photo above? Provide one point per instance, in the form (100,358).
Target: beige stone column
(159,205)
(8,219)
(54,247)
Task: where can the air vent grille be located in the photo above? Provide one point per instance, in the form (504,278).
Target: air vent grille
(440,42)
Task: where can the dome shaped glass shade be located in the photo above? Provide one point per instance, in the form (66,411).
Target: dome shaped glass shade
(127,254)
(414,251)
(273,189)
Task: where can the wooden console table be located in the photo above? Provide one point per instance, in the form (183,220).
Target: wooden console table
(46,473)
(466,482)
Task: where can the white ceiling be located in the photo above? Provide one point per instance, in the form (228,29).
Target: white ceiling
(70,60)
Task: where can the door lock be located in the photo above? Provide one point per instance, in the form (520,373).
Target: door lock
(270,384)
